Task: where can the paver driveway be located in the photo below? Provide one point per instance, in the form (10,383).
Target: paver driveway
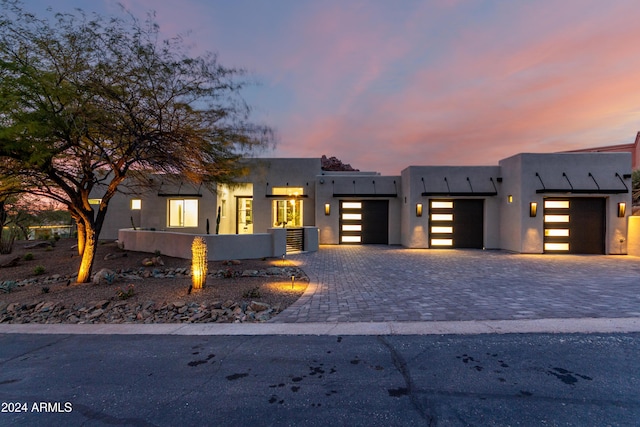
(390,283)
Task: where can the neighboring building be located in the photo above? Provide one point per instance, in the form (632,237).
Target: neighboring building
(633,148)
(528,203)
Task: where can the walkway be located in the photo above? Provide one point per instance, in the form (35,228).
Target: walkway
(394,284)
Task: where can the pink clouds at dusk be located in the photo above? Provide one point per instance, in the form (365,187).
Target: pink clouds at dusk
(383,85)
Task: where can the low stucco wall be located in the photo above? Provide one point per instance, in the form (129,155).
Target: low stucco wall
(633,236)
(219,247)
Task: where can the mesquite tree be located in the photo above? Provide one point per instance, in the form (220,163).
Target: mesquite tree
(86,102)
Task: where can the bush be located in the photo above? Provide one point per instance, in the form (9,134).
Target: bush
(125,294)
(252,293)
(7,286)
(28,256)
(39,269)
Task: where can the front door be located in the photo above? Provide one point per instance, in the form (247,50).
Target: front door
(244,215)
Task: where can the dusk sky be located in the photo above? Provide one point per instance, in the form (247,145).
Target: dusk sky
(387,84)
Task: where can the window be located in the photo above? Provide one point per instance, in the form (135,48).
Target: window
(136,204)
(556,204)
(287,213)
(183,213)
(352,205)
(442,204)
(287,191)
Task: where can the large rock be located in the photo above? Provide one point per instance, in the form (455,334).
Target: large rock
(258,306)
(104,277)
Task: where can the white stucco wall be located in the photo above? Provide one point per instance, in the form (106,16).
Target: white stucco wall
(512,213)
(355,186)
(282,172)
(419,179)
(155,199)
(507,225)
(522,233)
(219,247)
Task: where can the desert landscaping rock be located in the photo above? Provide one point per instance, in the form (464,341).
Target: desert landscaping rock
(123,290)
(105,311)
(123,312)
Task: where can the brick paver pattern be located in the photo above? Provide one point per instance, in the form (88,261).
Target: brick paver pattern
(374,283)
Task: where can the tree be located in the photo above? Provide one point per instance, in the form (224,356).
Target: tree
(87,102)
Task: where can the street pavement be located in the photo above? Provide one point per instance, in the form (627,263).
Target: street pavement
(383,336)
(436,380)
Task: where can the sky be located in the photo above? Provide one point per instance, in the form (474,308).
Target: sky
(385,84)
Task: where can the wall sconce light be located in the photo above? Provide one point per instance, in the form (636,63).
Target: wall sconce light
(622,209)
(418,209)
(327,209)
(533,209)
(509,198)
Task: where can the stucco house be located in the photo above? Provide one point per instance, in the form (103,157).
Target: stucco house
(528,203)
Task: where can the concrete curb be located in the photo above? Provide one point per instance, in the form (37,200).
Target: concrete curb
(473,327)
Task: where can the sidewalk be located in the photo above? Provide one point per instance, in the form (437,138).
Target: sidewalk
(618,325)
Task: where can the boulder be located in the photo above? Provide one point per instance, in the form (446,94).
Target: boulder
(258,306)
(104,277)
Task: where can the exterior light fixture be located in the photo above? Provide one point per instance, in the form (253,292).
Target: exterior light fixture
(533,209)
(327,209)
(418,209)
(622,209)
(509,198)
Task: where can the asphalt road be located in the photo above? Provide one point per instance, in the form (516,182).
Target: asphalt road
(447,380)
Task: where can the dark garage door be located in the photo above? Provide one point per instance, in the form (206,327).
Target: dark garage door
(574,225)
(364,221)
(456,223)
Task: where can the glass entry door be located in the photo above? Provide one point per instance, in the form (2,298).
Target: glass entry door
(287,213)
(244,215)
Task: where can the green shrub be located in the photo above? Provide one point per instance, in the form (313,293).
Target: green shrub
(28,256)
(39,269)
(128,293)
(252,293)
(7,286)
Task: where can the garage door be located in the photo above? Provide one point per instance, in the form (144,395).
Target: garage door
(456,223)
(364,221)
(574,225)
